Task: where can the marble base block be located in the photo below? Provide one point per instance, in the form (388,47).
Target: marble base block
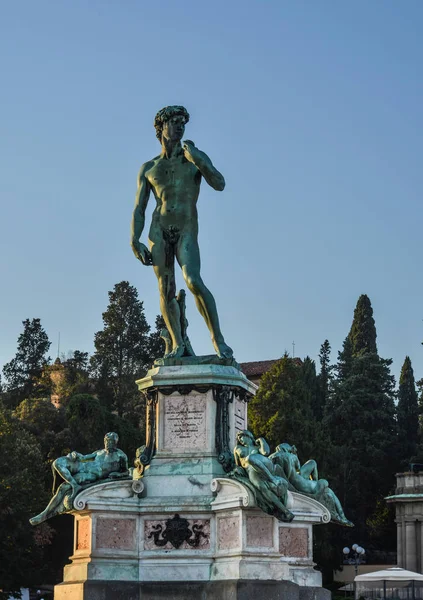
(184,529)
(210,590)
(122,534)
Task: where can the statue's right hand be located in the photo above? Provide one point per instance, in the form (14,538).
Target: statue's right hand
(142,252)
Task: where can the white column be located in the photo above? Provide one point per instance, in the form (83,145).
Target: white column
(400,559)
(420,570)
(410,546)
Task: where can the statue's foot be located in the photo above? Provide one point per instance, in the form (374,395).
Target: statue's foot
(223,350)
(176,352)
(36,520)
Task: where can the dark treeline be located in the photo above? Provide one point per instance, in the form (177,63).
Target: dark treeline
(48,409)
(347,415)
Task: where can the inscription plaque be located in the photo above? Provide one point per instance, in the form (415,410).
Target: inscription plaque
(240,408)
(185,422)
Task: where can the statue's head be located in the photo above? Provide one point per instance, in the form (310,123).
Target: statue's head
(245,438)
(170,122)
(284,448)
(111,440)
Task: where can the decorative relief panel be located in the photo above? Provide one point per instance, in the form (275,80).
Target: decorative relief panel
(228,533)
(83,534)
(184,422)
(177,533)
(260,532)
(293,541)
(118,534)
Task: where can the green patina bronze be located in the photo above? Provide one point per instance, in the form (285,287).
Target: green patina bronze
(270,478)
(305,480)
(81,471)
(174,177)
(255,470)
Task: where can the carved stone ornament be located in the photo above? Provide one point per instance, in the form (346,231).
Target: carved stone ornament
(145,453)
(177,532)
(223,396)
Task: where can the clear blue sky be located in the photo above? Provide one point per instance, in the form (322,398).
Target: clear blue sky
(311,109)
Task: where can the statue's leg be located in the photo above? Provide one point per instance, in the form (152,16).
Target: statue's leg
(188,256)
(55,506)
(309,470)
(338,506)
(169,306)
(65,473)
(275,495)
(256,462)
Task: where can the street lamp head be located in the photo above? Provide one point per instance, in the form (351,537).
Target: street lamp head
(358,549)
(354,547)
(362,551)
(346,550)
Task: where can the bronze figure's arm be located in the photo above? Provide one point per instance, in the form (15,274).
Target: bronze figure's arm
(83,457)
(138,218)
(203,163)
(263,446)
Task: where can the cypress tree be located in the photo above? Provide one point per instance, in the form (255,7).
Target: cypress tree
(407,413)
(360,419)
(23,372)
(121,349)
(324,379)
(362,334)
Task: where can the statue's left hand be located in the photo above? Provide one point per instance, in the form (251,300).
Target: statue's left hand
(191,153)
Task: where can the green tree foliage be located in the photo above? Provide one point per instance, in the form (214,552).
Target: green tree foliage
(131,436)
(121,349)
(363,329)
(324,380)
(360,420)
(156,345)
(91,398)
(282,410)
(23,372)
(419,385)
(408,414)
(48,424)
(345,359)
(22,494)
(88,420)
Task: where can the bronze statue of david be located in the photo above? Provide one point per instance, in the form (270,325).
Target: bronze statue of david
(175,177)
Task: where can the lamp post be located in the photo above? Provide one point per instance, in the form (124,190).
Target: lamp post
(355,557)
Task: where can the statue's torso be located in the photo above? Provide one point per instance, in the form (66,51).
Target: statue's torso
(176,185)
(111,462)
(103,464)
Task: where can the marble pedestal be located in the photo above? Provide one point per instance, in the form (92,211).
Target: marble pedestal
(194,413)
(185,530)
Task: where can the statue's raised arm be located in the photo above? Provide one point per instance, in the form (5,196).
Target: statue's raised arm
(204,165)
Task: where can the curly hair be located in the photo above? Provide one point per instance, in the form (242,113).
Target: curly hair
(167,113)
